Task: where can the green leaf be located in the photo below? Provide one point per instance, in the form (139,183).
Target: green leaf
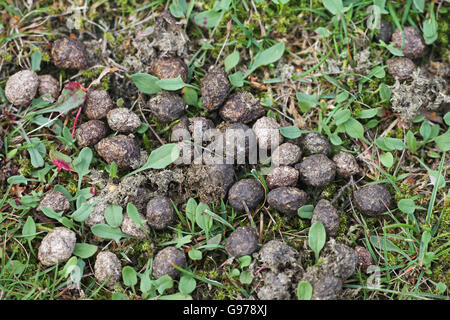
(146,284)
(306,211)
(291,132)
(208,19)
(107,232)
(190,96)
(447,118)
(129,276)
(335,139)
(383,244)
(187,284)
(245,277)
(304,290)
(204,221)
(236,79)
(430,28)
(163,283)
(306,102)
(178,8)
(407,206)
(343,96)
(443,141)
(145,83)
(245,261)
(191,209)
(195,254)
(385,92)
(72,96)
(133,213)
(29,229)
(83,212)
(341,116)
(354,128)
(84,250)
(334,6)
(323,32)
(37,152)
(231,61)
(316,238)
(267,57)
(36,58)
(171,84)
(82,162)
(387,159)
(419,5)
(425,130)
(119,296)
(411,141)
(160,158)
(114,215)
(368,113)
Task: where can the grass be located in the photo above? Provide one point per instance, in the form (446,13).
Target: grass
(410,249)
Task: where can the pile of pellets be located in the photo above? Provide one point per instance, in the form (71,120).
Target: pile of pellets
(300,163)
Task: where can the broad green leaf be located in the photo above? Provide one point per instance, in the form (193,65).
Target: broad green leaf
(83,212)
(316,238)
(191,209)
(37,152)
(368,113)
(245,277)
(385,92)
(387,159)
(190,96)
(306,101)
(133,213)
(72,96)
(129,276)
(245,261)
(187,284)
(29,229)
(82,162)
(160,158)
(163,283)
(178,8)
(292,132)
(145,83)
(237,79)
(114,215)
(84,250)
(354,128)
(447,118)
(171,84)
(195,254)
(341,116)
(443,141)
(267,56)
(36,58)
(119,296)
(334,6)
(231,61)
(430,28)
(323,32)
(407,206)
(384,244)
(419,4)
(204,221)
(306,211)
(304,290)
(411,141)
(107,232)
(208,19)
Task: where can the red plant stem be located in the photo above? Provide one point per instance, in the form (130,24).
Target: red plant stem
(75,122)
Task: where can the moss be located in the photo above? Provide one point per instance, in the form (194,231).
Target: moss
(329,192)
(343,228)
